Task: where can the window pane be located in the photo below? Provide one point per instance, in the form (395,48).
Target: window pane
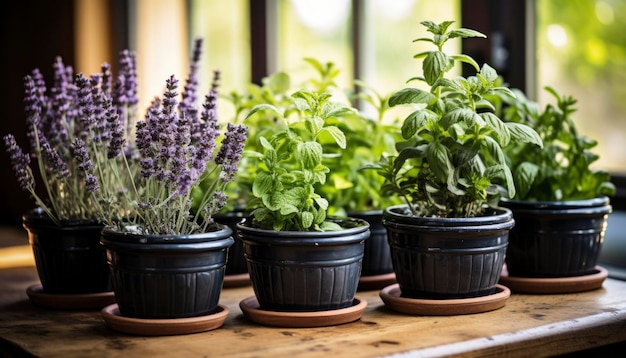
(317,29)
(322,29)
(581,50)
(395,25)
(225,29)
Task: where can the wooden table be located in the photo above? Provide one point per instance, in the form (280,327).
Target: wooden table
(528,325)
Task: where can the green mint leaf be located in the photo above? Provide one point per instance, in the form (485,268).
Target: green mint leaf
(435,65)
(337,134)
(523,133)
(411,95)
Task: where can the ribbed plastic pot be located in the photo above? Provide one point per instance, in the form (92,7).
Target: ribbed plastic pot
(236,263)
(305,271)
(556,239)
(447,258)
(376,256)
(164,276)
(69,258)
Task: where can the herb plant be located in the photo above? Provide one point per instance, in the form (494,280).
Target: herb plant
(561,171)
(349,188)
(93,168)
(291,164)
(95,113)
(451,157)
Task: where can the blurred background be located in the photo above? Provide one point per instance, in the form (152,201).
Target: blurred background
(576,46)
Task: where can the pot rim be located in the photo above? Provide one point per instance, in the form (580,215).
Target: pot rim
(595,206)
(358,231)
(36,217)
(502,219)
(112,235)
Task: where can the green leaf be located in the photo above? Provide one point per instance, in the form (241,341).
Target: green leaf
(263,184)
(465,33)
(466,59)
(337,134)
(263,107)
(489,73)
(310,153)
(500,129)
(279,82)
(411,95)
(414,122)
(523,133)
(306,219)
(330,226)
(439,160)
(435,65)
(524,176)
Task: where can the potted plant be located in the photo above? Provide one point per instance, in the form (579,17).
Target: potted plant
(167,261)
(449,238)
(64,229)
(299,259)
(355,192)
(349,190)
(562,202)
(273,90)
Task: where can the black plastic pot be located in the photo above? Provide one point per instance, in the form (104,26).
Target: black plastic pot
(163,276)
(69,258)
(445,258)
(556,239)
(376,256)
(236,263)
(305,271)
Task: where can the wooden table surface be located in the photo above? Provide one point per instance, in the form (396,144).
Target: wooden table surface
(528,325)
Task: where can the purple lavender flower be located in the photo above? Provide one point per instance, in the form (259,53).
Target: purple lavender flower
(116,130)
(107,79)
(20,163)
(91,183)
(32,109)
(189,96)
(55,166)
(80,153)
(86,115)
(231,150)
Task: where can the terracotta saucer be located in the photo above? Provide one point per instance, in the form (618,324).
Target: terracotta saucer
(163,327)
(376,282)
(556,284)
(252,311)
(237,280)
(446,307)
(86,301)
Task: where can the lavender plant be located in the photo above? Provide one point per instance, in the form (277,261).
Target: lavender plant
(93,167)
(177,145)
(93,112)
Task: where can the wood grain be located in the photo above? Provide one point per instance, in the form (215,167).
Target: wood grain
(528,325)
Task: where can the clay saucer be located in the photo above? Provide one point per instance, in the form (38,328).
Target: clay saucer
(392,298)
(252,311)
(86,301)
(163,327)
(237,280)
(376,282)
(557,284)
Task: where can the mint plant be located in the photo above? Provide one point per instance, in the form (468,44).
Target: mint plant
(561,171)
(451,158)
(350,189)
(291,164)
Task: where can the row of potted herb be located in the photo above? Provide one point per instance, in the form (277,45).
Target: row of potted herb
(462,163)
